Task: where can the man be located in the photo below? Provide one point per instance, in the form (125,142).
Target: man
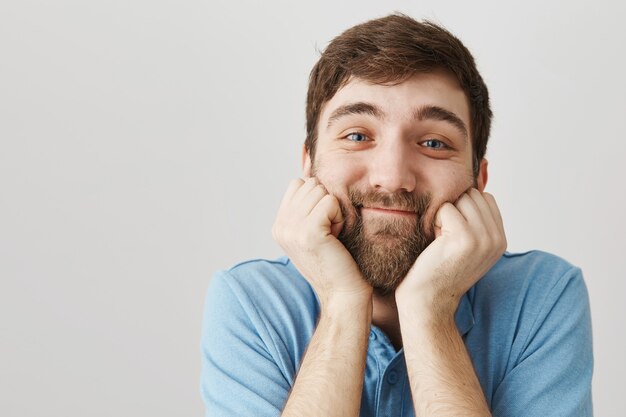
(397,298)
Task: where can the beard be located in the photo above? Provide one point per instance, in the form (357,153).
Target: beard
(385,249)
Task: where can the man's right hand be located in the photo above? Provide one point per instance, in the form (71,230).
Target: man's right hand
(307,225)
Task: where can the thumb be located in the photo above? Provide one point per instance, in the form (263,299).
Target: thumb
(336,221)
(440,214)
(335,229)
(447,218)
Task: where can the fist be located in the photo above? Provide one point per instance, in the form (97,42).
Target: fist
(307,225)
(469,240)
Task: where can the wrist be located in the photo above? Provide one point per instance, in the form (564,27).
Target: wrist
(425,327)
(427,308)
(351,305)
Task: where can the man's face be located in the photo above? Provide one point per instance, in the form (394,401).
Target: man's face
(392,154)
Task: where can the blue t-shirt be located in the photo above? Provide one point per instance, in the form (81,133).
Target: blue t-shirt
(526,325)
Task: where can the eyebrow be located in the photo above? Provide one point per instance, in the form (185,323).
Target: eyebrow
(441,114)
(426,112)
(355,108)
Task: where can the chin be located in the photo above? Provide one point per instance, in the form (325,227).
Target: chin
(383,246)
(385,260)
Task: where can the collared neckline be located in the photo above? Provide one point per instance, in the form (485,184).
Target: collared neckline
(464,316)
(464,319)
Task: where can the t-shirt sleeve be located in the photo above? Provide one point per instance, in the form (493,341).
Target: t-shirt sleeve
(552,373)
(239,376)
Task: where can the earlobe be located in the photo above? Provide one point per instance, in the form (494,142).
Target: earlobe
(306,162)
(483,175)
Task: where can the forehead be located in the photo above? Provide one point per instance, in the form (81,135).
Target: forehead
(398,101)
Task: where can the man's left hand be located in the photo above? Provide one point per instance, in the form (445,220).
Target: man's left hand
(469,240)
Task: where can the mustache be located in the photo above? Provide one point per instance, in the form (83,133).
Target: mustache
(417,203)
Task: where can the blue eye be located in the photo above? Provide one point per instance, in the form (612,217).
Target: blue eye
(434,144)
(356,137)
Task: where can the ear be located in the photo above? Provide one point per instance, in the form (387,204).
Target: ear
(306,162)
(481,179)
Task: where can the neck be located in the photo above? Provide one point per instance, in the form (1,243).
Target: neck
(385,317)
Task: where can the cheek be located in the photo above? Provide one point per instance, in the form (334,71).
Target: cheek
(338,174)
(448,181)
(447,185)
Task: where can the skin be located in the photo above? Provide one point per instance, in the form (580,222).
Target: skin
(391,151)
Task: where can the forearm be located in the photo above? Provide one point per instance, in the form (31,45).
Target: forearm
(441,375)
(330,379)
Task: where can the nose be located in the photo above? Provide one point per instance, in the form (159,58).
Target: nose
(391,168)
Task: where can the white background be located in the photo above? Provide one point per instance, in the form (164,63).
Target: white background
(145,144)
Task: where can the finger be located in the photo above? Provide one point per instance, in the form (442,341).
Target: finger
(292,188)
(305,189)
(327,213)
(493,221)
(495,211)
(471,212)
(449,219)
(335,229)
(310,200)
(483,208)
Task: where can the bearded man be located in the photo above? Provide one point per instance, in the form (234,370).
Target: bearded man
(397,297)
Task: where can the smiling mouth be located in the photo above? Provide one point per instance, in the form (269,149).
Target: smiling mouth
(389,210)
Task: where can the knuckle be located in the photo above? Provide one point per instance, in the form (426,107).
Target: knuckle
(462,199)
(321,187)
(503,243)
(327,200)
(484,244)
(467,241)
(498,242)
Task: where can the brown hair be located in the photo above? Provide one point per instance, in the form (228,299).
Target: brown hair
(390,50)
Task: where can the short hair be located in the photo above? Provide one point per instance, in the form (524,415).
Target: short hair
(390,50)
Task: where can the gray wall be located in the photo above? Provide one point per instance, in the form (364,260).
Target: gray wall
(145,144)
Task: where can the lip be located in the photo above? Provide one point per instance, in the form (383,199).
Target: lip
(388,210)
